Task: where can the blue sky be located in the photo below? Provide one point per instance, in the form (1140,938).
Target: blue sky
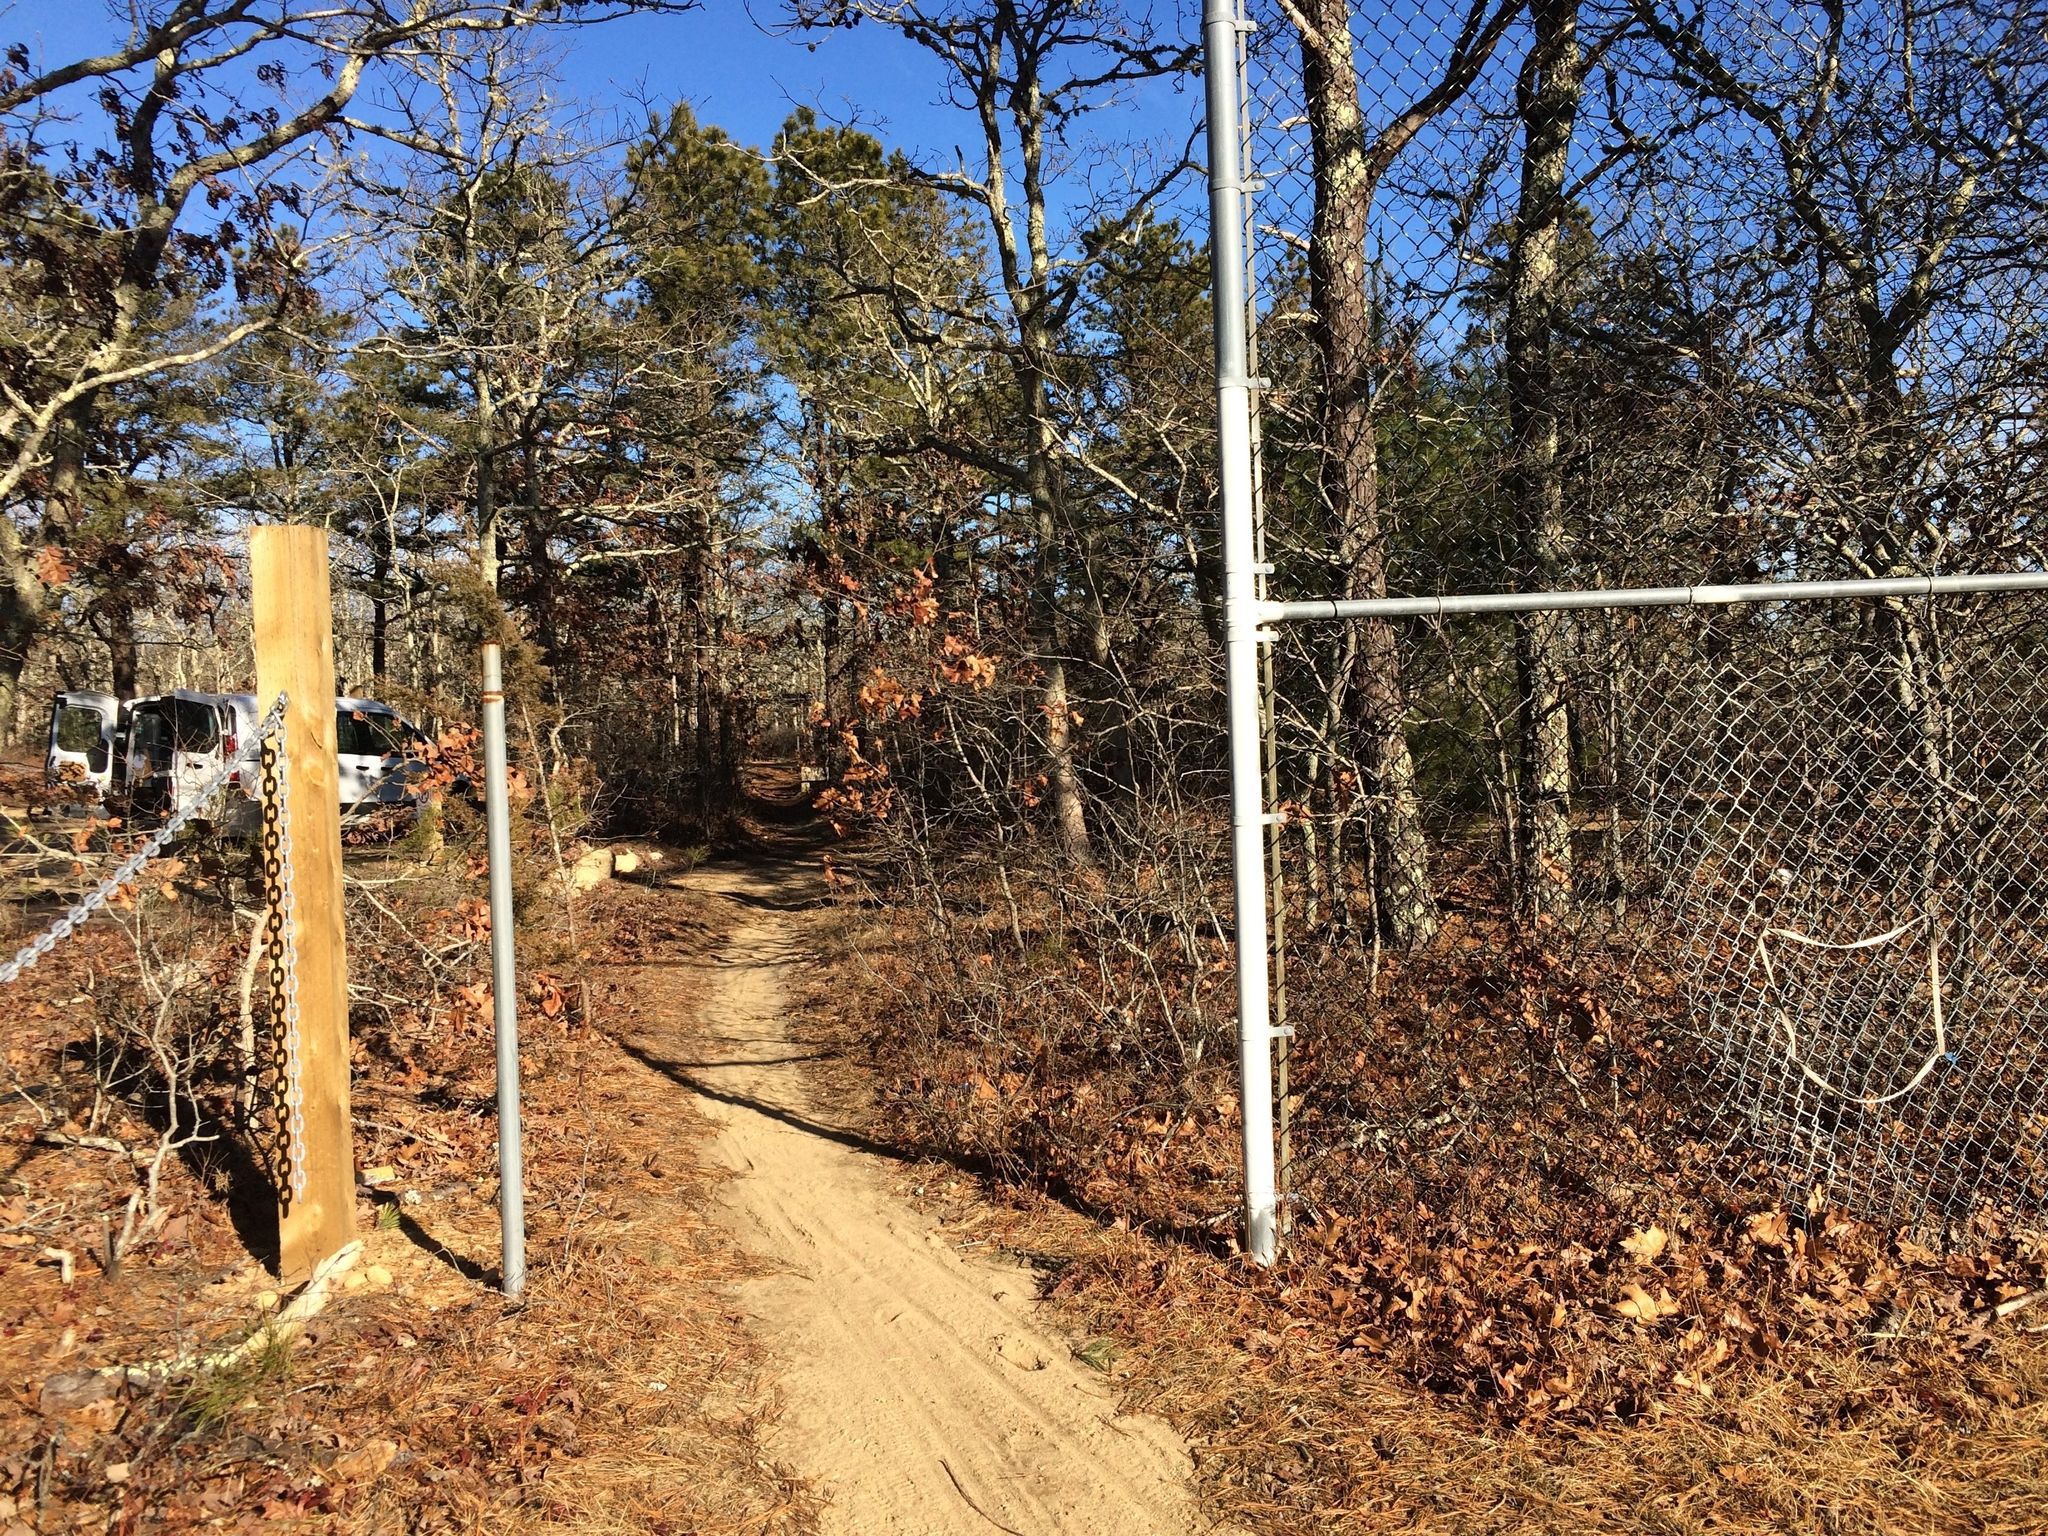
(741,77)
(736,72)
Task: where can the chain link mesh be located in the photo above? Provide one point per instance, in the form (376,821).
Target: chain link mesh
(1846,816)
(1812,837)
(1568,295)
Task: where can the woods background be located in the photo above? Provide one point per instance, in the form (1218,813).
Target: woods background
(901,465)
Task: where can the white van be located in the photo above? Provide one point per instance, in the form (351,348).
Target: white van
(170,745)
(379,755)
(157,750)
(160,750)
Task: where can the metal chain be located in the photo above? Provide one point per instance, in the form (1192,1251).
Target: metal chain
(81,911)
(281,948)
(280,929)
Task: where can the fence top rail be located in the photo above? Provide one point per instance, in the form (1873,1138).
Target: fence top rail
(1645,597)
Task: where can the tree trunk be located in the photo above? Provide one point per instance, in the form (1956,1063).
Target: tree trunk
(24,600)
(1547,98)
(489,552)
(1370,690)
(1065,798)
(124,654)
(542,578)
(22,603)
(383,563)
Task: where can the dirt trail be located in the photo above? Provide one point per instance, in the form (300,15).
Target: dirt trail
(920,1393)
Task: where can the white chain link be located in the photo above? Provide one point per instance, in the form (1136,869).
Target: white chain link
(80,912)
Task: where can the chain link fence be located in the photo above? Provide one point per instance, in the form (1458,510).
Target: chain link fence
(1844,820)
(1805,839)
(1578,296)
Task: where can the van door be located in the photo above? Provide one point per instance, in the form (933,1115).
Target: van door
(241,807)
(366,755)
(81,751)
(200,730)
(146,764)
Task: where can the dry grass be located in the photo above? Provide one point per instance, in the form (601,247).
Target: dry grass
(1828,1428)
(625,1395)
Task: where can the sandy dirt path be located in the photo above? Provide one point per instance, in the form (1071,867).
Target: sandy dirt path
(920,1394)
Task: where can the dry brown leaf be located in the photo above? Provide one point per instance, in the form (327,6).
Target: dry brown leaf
(1911,1252)
(366,1461)
(1769,1229)
(1640,1306)
(1645,1244)
(53,569)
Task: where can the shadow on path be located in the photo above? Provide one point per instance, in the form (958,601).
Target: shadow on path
(975,1165)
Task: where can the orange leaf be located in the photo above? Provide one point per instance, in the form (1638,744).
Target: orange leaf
(52,568)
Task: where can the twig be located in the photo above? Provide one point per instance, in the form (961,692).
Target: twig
(286,1325)
(991,1519)
(2006,1309)
(29,1099)
(91,1144)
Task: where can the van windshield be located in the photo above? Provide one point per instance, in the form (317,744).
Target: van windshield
(360,733)
(78,728)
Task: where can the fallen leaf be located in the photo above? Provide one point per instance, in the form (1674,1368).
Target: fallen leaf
(366,1461)
(1645,1244)
(1769,1229)
(1639,1305)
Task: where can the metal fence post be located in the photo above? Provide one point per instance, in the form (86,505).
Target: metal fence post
(1241,613)
(504,981)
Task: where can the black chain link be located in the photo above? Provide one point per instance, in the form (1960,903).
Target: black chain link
(277,976)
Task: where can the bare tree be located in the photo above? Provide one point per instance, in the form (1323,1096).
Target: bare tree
(1029,71)
(1884,180)
(208,108)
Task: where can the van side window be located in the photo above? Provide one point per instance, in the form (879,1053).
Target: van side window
(359,733)
(78,729)
(195,726)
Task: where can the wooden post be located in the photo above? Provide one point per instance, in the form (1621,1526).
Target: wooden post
(294,623)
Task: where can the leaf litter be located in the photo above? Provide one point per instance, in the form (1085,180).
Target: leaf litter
(1527,1288)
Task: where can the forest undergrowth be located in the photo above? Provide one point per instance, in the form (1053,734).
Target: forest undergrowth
(418,1399)
(1528,1285)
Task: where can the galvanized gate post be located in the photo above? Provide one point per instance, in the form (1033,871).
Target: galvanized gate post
(504,982)
(1221,29)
